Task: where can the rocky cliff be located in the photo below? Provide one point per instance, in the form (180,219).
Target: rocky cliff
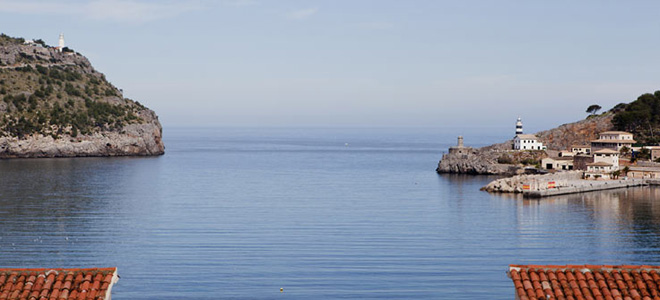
(577,133)
(474,161)
(488,161)
(55,104)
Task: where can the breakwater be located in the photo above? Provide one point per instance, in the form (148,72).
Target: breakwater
(584,186)
(560,183)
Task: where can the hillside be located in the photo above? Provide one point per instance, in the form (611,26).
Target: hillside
(640,117)
(566,135)
(55,104)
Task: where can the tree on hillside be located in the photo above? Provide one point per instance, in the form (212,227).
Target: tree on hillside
(641,116)
(593,109)
(624,151)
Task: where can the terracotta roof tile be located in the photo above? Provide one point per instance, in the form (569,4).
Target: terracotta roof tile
(59,283)
(576,282)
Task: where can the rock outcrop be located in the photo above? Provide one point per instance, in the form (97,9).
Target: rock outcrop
(475,161)
(577,133)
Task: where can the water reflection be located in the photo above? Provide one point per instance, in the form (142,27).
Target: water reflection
(616,226)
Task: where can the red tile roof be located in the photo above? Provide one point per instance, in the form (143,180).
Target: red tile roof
(577,282)
(57,283)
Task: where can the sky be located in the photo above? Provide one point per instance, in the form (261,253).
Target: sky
(359,63)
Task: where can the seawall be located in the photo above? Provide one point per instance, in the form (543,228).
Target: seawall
(586,186)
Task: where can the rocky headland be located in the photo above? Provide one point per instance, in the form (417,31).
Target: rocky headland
(499,159)
(53,103)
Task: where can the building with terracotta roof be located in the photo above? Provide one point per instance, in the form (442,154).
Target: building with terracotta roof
(614,140)
(585,282)
(57,283)
(607,156)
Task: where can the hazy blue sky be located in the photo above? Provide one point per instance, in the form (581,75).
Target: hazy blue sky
(359,62)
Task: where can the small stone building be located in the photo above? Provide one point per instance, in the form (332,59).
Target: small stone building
(557,163)
(460,148)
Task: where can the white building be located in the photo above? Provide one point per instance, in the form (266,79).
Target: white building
(605,162)
(600,168)
(607,156)
(527,142)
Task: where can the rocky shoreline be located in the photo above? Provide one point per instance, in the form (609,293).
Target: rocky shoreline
(476,162)
(136,140)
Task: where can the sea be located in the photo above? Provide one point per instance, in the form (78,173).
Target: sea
(306,213)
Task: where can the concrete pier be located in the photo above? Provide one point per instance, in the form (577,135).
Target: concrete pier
(585,186)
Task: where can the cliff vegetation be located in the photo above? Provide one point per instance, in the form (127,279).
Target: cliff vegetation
(45,92)
(640,117)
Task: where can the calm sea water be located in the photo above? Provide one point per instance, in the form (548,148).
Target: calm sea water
(323,213)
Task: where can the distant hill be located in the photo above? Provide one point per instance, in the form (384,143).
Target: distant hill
(54,103)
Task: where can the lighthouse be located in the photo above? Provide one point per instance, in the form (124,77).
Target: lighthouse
(60,44)
(519,129)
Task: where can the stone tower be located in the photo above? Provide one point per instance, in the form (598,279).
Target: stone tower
(60,44)
(519,129)
(460,141)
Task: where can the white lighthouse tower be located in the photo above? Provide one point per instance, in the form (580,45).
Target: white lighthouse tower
(519,129)
(60,44)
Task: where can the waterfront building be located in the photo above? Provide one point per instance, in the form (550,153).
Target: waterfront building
(644,172)
(599,169)
(605,162)
(614,140)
